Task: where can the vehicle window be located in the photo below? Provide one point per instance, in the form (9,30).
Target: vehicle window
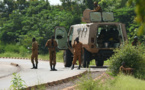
(109,36)
(70,33)
(70,36)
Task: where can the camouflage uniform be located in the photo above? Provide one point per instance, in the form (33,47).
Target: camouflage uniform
(135,41)
(52,53)
(34,53)
(77,54)
(98,9)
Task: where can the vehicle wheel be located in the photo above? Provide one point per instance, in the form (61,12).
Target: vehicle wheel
(99,62)
(87,59)
(67,57)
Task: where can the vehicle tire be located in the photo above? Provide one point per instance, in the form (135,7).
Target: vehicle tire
(99,62)
(87,58)
(96,62)
(67,57)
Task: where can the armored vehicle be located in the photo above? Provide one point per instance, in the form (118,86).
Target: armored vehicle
(99,36)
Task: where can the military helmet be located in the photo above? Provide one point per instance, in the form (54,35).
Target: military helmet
(33,39)
(77,39)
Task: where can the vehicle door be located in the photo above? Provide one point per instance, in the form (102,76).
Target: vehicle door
(61,37)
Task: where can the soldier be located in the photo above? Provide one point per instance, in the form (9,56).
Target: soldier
(97,8)
(135,41)
(52,45)
(34,53)
(77,52)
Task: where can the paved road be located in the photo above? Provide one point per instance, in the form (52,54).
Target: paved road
(35,76)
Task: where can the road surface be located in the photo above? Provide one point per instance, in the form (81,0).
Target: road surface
(35,76)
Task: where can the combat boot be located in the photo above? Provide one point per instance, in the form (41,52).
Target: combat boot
(54,68)
(36,66)
(72,67)
(51,68)
(33,66)
(79,67)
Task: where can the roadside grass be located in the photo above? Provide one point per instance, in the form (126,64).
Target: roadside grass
(59,55)
(123,82)
(120,82)
(86,82)
(12,54)
(14,50)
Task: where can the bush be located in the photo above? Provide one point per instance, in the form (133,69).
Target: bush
(132,56)
(11,48)
(23,51)
(2,48)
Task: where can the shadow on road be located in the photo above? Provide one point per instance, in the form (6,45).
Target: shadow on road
(98,66)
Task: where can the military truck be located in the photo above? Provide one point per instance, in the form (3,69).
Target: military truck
(99,36)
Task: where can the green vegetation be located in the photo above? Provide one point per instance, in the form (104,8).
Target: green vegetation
(21,20)
(133,57)
(140,14)
(120,82)
(59,55)
(17,82)
(86,83)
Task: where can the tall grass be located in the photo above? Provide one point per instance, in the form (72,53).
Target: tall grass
(123,82)
(120,82)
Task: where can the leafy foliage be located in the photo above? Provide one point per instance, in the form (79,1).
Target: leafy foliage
(36,19)
(132,56)
(140,14)
(17,82)
(111,5)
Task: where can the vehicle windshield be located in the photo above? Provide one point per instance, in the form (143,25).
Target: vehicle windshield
(109,36)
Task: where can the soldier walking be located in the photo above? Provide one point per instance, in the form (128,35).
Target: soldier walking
(34,53)
(77,52)
(52,45)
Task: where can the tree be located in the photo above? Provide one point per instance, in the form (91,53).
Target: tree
(89,4)
(140,14)
(110,5)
